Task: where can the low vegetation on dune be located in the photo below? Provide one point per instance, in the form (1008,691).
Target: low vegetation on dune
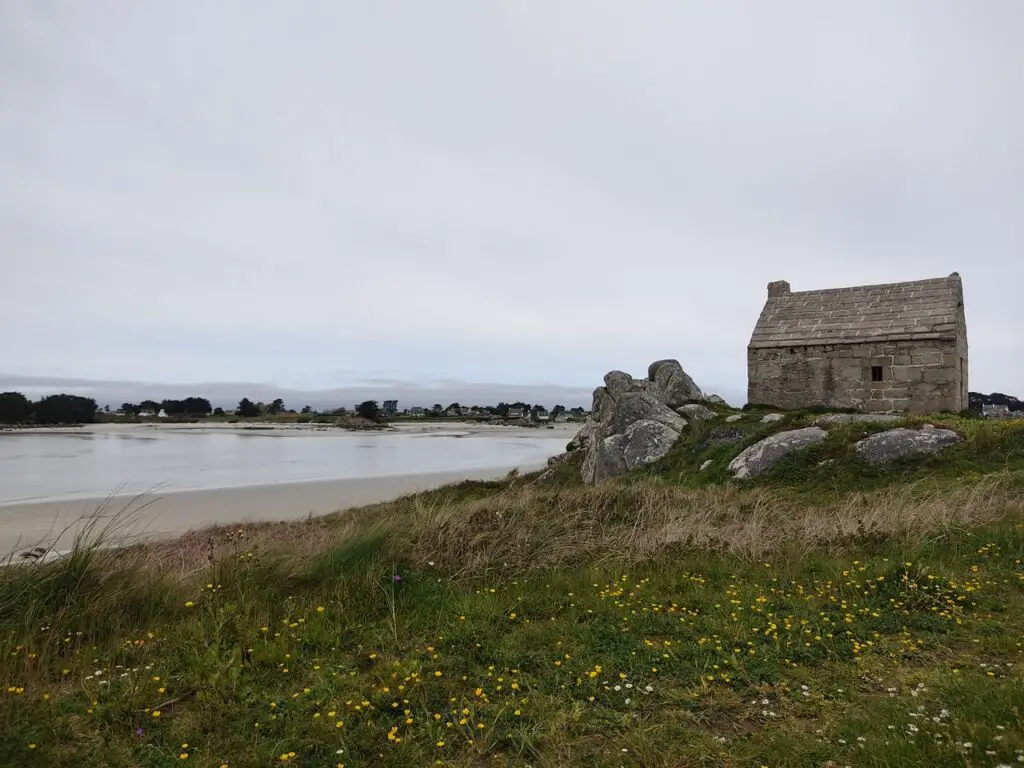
(825,613)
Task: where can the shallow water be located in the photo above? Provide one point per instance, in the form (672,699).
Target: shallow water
(52,467)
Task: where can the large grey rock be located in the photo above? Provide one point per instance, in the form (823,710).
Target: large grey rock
(605,459)
(601,412)
(618,383)
(639,406)
(715,399)
(770,418)
(900,443)
(671,384)
(734,418)
(696,411)
(765,454)
(603,405)
(582,438)
(613,460)
(647,441)
(632,421)
(590,457)
(657,365)
(857,418)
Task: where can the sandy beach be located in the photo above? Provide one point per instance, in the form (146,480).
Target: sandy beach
(25,526)
(54,524)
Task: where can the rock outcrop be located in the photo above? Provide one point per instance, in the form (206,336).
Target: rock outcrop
(671,384)
(646,441)
(633,421)
(696,411)
(764,454)
(892,444)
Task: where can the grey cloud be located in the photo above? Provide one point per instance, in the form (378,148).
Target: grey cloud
(291,193)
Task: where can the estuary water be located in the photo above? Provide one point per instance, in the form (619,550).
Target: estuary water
(95,463)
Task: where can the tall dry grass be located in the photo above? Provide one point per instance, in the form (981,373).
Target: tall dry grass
(528,526)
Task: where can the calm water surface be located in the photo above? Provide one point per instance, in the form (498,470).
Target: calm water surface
(50,467)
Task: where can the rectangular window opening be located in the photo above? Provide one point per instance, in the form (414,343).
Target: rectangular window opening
(876,373)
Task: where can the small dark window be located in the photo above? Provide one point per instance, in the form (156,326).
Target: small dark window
(876,373)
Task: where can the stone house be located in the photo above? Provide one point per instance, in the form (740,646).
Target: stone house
(995,411)
(876,348)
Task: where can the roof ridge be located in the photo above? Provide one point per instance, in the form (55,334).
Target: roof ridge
(900,284)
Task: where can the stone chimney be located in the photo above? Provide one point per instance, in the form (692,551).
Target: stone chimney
(778,288)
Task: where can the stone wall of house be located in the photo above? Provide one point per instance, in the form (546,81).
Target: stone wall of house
(917,376)
(961,356)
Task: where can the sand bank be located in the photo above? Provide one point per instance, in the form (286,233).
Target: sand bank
(24,526)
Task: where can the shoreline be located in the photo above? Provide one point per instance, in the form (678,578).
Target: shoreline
(156,514)
(277,429)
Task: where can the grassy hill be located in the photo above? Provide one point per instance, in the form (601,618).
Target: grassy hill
(825,613)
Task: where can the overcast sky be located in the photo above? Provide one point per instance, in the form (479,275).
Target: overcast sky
(350,195)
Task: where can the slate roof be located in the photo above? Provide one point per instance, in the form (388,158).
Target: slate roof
(917,310)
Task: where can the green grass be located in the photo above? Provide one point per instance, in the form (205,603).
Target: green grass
(704,660)
(663,619)
(833,467)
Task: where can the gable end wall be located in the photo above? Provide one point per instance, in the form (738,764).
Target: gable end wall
(917,376)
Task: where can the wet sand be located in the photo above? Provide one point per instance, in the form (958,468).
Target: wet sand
(24,526)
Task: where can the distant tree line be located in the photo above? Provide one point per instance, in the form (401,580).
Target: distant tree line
(502,409)
(248,409)
(15,408)
(201,406)
(369,410)
(977,400)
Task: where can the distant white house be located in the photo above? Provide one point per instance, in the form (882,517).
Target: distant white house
(516,413)
(162,414)
(417,411)
(996,411)
(146,414)
(541,414)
